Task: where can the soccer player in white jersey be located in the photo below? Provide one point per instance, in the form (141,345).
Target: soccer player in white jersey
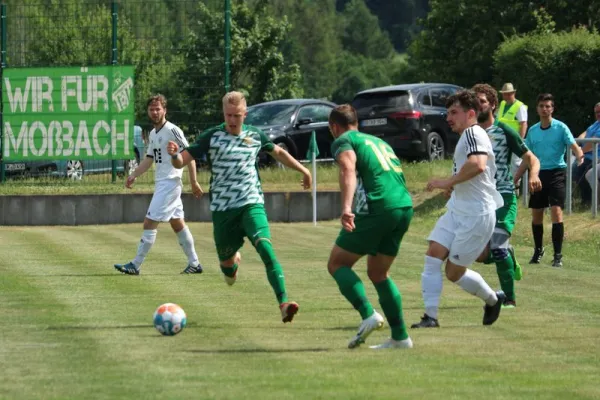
(463,232)
(236,197)
(166,205)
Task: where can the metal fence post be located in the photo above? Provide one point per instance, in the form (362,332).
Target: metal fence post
(569,183)
(114,62)
(525,186)
(227,44)
(595,181)
(2,66)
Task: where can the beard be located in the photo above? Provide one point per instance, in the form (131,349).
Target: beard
(483,116)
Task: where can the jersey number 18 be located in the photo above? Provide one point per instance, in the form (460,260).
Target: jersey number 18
(385,155)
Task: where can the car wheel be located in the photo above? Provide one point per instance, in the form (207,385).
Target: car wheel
(436,148)
(74,170)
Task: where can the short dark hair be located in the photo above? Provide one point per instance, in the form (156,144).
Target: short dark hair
(467,99)
(488,91)
(157,97)
(343,115)
(545,97)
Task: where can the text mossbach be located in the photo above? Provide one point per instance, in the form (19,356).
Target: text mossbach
(68,115)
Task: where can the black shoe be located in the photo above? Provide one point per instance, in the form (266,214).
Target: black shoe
(129,268)
(491,313)
(557,262)
(537,256)
(190,269)
(426,322)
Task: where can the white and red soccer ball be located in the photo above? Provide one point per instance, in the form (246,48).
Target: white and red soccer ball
(169,319)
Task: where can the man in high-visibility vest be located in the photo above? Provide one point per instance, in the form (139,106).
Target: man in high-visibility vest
(513,113)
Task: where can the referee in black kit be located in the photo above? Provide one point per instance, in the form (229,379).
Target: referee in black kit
(549,140)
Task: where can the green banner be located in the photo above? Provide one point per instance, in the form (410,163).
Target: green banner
(83,113)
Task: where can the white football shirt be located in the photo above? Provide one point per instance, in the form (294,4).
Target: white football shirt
(478,195)
(157,149)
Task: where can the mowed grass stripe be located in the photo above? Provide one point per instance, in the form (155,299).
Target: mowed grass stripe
(153,280)
(240,349)
(50,358)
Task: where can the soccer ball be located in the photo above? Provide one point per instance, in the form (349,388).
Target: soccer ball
(169,319)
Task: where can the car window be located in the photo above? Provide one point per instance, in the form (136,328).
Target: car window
(425,99)
(270,114)
(381,101)
(439,96)
(316,112)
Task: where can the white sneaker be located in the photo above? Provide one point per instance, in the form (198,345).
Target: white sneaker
(368,325)
(394,344)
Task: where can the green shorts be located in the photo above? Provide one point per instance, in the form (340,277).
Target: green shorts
(231,226)
(506,216)
(377,233)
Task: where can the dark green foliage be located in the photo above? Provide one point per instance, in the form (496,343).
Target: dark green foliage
(564,64)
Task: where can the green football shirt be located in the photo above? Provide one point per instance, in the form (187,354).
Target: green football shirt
(505,142)
(234,180)
(381,185)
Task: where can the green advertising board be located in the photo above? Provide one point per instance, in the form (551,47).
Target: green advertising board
(84,113)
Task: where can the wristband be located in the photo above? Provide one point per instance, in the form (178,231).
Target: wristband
(174,156)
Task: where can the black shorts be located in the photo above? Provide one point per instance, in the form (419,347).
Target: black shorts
(554,189)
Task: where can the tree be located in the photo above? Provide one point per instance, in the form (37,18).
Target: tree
(257,65)
(362,33)
(359,73)
(459,37)
(563,63)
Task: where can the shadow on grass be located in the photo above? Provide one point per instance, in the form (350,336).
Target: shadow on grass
(251,351)
(107,327)
(431,204)
(116,274)
(97,327)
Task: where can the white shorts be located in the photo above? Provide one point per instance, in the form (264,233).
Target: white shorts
(166,202)
(465,237)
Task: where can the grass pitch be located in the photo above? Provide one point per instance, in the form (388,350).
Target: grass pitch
(76,329)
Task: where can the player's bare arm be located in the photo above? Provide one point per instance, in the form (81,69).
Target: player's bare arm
(286,159)
(533,163)
(178,160)
(140,170)
(475,165)
(578,153)
(347,163)
(196,188)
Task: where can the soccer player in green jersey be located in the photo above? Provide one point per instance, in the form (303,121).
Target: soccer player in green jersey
(371,175)
(236,197)
(505,142)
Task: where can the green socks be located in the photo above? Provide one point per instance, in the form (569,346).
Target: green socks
(273,269)
(277,281)
(391,304)
(506,274)
(230,272)
(353,290)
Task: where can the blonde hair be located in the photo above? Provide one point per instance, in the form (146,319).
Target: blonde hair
(234,98)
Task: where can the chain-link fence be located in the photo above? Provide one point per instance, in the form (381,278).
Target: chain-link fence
(177,48)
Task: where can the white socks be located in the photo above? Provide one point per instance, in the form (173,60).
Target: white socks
(431,285)
(473,283)
(187,244)
(148,238)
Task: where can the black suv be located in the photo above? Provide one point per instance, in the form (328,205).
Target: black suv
(410,117)
(289,123)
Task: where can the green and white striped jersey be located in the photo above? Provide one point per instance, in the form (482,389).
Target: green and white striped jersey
(505,142)
(234,180)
